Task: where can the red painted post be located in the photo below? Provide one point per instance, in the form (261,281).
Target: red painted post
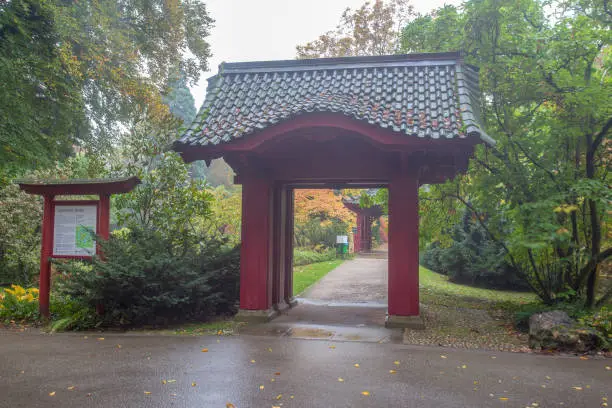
(288,255)
(255,268)
(368,232)
(357,236)
(103,232)
(277,247)
(403,247)
(46,251)
(104,216)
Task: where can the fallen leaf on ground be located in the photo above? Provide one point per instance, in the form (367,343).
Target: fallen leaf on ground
(443,356)
(253,361)
(52,393)
(204,350)
(365,393)
(340,379)
(261,387)
(193,384)
(279,396)
(269,349)
(548,377)
(100,338)
(475,382)
(493,357)
(332,347)
(577,388)
(118,345)
(70,388)
(503,399)
(230,405)
(584,358)
(608,368)
(464,366)
(147,392)
(396,362)
(171,381)
(392,371)
(291,396)
(277,373)
(356,365)
(272,380)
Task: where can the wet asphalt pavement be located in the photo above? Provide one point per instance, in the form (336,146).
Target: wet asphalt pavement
(260,371)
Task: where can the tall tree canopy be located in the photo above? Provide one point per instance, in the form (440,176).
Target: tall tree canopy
(543,190)
(180,101)
(372,29)
(79,72)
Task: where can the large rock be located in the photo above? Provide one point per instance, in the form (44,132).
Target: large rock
(557,331)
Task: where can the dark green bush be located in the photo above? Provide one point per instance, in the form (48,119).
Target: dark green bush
(472,259)
(145,279)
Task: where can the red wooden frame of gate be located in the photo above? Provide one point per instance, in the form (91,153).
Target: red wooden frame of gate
(271,162)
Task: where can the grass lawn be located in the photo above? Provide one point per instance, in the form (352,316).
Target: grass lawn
(306,275)
(436,288)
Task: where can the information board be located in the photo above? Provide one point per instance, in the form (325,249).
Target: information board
(74,229)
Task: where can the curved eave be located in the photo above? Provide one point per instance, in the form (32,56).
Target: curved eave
(385,139)
(79,186)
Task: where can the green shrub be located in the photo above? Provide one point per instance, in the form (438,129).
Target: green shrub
(601,321)
(306,256)
(145,279)
(317,232)
(472,259)
(68,313)
(20,216)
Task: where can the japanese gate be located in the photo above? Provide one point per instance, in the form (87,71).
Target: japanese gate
(359,122)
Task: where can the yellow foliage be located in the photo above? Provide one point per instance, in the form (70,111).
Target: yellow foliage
(311,203)
(20,294)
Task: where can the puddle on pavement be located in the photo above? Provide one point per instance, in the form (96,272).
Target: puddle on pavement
(303,332)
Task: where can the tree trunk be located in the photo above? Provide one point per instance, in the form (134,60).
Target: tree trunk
(595,226)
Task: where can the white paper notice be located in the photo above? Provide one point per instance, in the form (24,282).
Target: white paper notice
(72,231)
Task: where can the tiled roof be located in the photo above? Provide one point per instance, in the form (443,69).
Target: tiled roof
(420,95)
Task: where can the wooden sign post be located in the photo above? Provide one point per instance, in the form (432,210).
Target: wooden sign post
(69,226)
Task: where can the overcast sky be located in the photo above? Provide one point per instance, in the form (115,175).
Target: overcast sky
(255,30)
